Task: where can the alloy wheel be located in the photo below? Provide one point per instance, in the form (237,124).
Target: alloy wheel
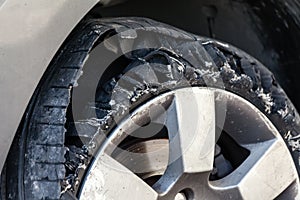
(203,143)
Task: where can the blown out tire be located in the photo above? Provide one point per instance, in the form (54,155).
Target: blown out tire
(45,158)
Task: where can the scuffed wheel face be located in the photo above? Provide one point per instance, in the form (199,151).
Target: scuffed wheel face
(247,159)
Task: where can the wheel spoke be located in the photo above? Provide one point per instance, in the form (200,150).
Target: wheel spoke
(194,141)
(266,173)
(191,126)
(111,180)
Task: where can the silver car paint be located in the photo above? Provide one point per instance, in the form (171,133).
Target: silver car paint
(31,31)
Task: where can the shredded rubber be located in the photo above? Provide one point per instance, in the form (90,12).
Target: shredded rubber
(53,166)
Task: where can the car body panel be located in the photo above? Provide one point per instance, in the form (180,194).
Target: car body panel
(31,32)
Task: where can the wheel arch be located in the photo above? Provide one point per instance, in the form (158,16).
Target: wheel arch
(31,34)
